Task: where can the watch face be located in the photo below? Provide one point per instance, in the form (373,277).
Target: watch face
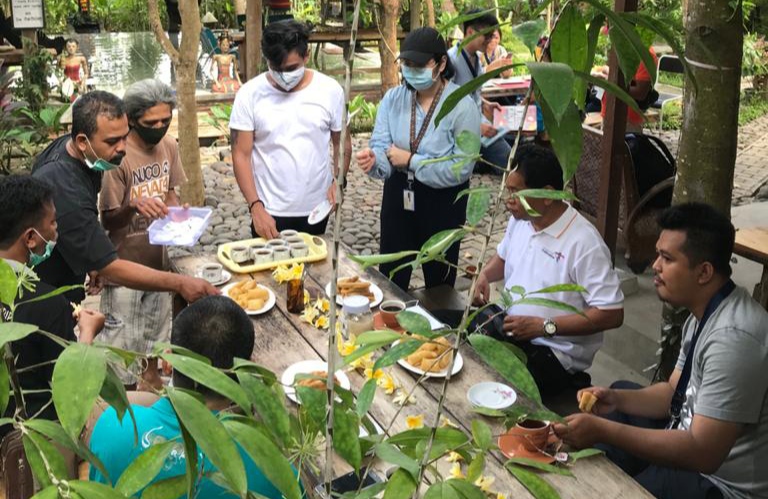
(550,328)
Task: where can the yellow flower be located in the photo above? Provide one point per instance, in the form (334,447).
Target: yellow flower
(414,422)
(369,374)
(296,271)
(387,383)
(281,274)
(309,315)
(446,423)
(485,482)
(456,471)
(323,305)
(499,495)
(307,297)
(321,322)
(454,457)
(363,362)
(402,398)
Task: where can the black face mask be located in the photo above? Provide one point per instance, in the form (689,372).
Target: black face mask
(151,136)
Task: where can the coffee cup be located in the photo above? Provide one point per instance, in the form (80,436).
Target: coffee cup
(239,254)
(285,234)
(291,240)
(389,310)
(253,248)
(299,250)
(281,253)
(275,243)
(263,255)
(211,272)
(532,434)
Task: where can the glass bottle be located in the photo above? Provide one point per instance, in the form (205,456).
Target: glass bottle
(357,317)
(295,295)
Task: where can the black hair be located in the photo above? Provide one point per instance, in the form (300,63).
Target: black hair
(282,37)
(217,328)
(709,235)
(448,72)
(23,199)
(225,36)
(72,40)
(90,106)
(539,167)
(481,22)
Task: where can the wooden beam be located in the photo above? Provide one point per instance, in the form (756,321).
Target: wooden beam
(614,154)
(251,49)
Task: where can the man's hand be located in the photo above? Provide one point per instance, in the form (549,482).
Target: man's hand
(149,207)
(90,323)
(366,159)
(398,157)
(263,222)
(95,283)
(482,291)
(331,194)
(523,327)
(581,430)
(606,399)
(193,288)
(487,130)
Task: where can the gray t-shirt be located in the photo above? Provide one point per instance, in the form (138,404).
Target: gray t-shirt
(464,71)
(729,382)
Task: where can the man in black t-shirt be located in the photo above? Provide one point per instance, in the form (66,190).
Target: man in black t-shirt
(74,166)
(27,232)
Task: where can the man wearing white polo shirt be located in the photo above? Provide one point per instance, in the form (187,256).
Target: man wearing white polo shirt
(558,247)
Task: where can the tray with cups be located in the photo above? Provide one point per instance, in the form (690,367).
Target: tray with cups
(255,255)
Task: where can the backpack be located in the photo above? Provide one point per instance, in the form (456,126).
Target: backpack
(652,162)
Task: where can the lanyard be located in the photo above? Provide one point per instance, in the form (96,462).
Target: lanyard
(416,139)
(472,68)
(679,397)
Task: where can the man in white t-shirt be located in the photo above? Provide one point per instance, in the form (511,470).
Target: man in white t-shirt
(282,125)
(557,247)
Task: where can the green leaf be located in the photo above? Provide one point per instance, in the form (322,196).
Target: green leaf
(267,456)
(346,427)
(397,352)
(50,492)
(145,467)
(251,367)
(566,137)
(593,34)
(169,488)
(73,393)
(161,347)
(477,206)
(545,194)
(559,288)
(36,447)
(208,432)
(530,32)
(414,323)
(312,406)
(450,436)
(468,142)
(482,435)
(365,397)
(113,393)
(378,337)
(584,453)
(8,283)
(629,60)
(458,166)
(94,490)
(476,467)
(508,366)
(362,351)
(440,242)
(528,208)
(401,484)
(536,485)
(56,292)
(555,83)
(391,454)
(5,387)
(441,490)
(531,463)
(545,302)
(190,463)
(14,331)
(370,260)
(465,489)
(366,493)
(461,19)
(491,413)
(210,377)
(568,45)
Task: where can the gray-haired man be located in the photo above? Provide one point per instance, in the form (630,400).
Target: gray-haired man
(132,195)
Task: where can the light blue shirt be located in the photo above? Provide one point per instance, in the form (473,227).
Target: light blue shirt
(464,71)
(393,125)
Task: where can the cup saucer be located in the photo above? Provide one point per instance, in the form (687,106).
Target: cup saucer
(378,323)
(512,446)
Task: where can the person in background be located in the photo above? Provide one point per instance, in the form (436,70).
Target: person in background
(420,199)
(640,87)
(283,123)
(702,434)
(496,56)
(132,196)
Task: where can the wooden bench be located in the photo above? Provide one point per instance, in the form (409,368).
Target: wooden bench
(753,244)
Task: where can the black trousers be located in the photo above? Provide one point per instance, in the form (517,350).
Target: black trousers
(401,230)
(299,224)
(662,482)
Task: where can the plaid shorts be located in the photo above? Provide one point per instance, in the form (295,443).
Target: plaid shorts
(135,320)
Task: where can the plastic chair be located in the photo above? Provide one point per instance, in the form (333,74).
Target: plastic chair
(667,93)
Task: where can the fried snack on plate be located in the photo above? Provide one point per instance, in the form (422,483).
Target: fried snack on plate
(248,295)
(317,381)
(587,401)
(354,286)
(432,356)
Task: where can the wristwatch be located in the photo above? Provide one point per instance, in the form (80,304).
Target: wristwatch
(550,328)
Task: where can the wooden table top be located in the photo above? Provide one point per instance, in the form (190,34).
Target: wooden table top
(753,244)
(282,340)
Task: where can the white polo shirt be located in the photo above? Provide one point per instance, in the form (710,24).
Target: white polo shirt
(570,251)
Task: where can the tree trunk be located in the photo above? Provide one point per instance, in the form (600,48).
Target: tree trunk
(415,14)
(390,10)
(430,13)
(185,60)
(253,21)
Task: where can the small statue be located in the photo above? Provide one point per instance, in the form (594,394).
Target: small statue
(227,79)
(75,67)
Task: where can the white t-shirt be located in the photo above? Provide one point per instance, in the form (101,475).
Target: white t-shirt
(570,251)
(292,135)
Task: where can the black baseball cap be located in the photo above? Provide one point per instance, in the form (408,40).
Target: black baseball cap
(422,45)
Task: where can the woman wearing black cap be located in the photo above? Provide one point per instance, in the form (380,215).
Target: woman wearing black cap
(420,199)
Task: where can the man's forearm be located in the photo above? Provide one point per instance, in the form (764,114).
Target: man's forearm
(135,276)
(494,269)
(593,321)
(650,402)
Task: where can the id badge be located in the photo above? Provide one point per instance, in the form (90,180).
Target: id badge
(409,200)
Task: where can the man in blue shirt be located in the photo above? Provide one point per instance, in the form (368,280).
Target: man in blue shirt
(467,65)
(217,328)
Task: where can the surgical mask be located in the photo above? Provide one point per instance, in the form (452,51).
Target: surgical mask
(102,165)
(151,136)
(418,78)
(34,258)
(287,79)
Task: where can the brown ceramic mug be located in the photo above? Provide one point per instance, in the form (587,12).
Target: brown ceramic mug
(389,310)
(531,433)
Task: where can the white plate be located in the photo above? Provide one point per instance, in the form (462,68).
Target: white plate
(319,212)
(225,277)
(378,294)
(306,367)
(267,306)
(439,374)
(491,395)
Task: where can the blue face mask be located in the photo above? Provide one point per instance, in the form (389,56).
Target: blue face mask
(34,258)
(418,78)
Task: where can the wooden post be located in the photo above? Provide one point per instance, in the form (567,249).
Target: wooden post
(614,151)
(415,14)
(251,48)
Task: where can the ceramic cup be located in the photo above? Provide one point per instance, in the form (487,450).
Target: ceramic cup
(389,310)
(211,272)
(532,434)
(256,247)
(263,255)
(281,253)
(299,250)
(285,234)
(239,254)
(291,240)
(275,243)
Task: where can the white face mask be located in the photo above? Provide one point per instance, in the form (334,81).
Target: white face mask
(287,80)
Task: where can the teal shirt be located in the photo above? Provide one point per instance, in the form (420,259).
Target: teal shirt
(113,443)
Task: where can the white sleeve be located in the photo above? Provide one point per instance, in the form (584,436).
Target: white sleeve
(337,109)
(242,117)
(595,273)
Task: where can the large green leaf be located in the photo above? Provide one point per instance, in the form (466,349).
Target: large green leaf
(414,323)
(616,90)
(546,302)
(391,454)
(14,331)
(440,242)
(532,463)
(468,142)
(465,489)
(629,60)
(365,397)
(269,404)
(477,206)
(77,379)
(371,260)
(593,34)
(445,28)
(346,427)
(210,377)
(267,457)
(568,45)
(507,365)
(566,137)
(95,490)
(50,492)
(211,436)
(170,488)
(482,435)
(145,467)
(537,486)
(476,467)
(530,32)
(251,367)
(5,386)
(313,407)
(190,463)
(113,393)
(545,194)
(40,451)
(8,283)
(56,292)
(400,485)
(450,436)
(555,84)
(441,490)
(584,453)
(397,352)
(377,337)
(559,288)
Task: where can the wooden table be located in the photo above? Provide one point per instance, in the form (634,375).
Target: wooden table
(282,339)
(509,87)
(753,244)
